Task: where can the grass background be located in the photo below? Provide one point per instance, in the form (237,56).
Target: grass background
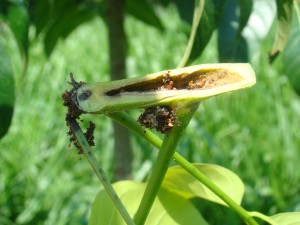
(254,132)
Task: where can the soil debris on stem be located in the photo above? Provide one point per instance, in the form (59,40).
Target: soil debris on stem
(162,118)
(74,113)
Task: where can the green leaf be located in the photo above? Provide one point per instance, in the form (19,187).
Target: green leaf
(168,208)
(283,22)
(232,45)
(257,31)
(179,181)
(290,218)
(64,25)
(6,91)
(245,9)
(185,9)
(18,21)
(144,11)
(41,14)
(197,14)
(291,57)
(208,23)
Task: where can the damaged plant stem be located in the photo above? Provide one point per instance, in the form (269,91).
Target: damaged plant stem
(164,88)
(170,97)
(84,141)
(184,112)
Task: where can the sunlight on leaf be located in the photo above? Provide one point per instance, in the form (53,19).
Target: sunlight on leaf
(258,26)
(168,208)
(290,218)
(181,182)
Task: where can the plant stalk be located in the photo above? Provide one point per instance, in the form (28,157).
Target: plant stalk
(127,121)
(184,112)
(99,171)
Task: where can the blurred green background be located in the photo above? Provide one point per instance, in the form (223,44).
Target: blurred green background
(253,132)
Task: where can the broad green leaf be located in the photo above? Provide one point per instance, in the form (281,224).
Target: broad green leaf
(64,25)
(144,11)
(6,91)
(245,9)
(290,218)
(168,208)
(181,182)
(41,14)
(197,14)
(185,9)
(208,23)
(283,22)
(291,57)
(18,21)
(257,30)
(232,45)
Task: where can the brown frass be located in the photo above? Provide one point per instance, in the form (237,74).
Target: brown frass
(74,113)
(201,79)
(162,118)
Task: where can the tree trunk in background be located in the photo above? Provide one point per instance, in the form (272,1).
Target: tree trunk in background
(115,13)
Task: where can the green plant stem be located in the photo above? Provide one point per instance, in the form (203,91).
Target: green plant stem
(184,112)
(215,189)
(127,121)
(262,217)
(198,10)
(99,171)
